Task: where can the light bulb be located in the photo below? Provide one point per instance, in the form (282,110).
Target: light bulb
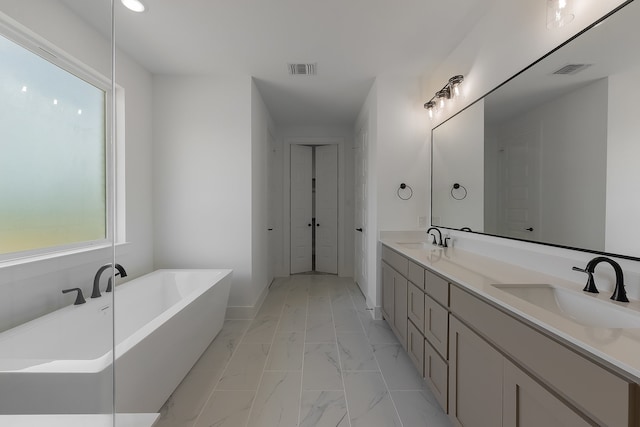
(133,5)
(559,13)
(430,107)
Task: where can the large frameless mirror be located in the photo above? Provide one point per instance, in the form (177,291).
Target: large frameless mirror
(550,156)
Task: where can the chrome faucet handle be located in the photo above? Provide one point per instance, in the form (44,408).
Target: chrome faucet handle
(591,284)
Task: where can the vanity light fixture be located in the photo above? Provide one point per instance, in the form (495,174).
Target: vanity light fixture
(450,90)
(133,5)
(559,13)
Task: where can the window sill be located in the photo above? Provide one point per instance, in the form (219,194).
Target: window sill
(85,254)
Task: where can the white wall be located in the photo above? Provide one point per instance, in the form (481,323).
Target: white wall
(401,152)
(368,120)
(261,125)
(397,153)
(318,134)
(33,289)
(203,179)
(458,157)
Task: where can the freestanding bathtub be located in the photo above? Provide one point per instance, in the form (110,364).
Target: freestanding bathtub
(62,362)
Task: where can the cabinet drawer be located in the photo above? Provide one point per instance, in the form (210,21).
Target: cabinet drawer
(415,306)
(436,325)
(437,287)
(416,274)
(594,390)
(395,260)
(415,346)
(436,373)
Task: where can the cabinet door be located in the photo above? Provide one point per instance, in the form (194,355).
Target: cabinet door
(528,404)
(415,346)
(387,293)
(475,379)
(415,306)
(436,325)
(400,308)
(436,372)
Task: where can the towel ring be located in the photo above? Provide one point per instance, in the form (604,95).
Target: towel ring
(404,186)
(457,186)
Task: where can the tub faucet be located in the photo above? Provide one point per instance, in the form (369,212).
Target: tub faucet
(96,280)
(79,297)
(439,241)
(619,293)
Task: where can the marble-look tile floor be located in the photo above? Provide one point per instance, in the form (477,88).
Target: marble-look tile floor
(312,357)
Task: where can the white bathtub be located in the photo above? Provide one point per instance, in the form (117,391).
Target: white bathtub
(62,362)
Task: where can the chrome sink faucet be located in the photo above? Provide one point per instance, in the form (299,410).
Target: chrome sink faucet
(619,293)
(439,241)
(96,280)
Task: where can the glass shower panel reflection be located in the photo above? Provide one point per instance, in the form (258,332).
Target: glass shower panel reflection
(56,204)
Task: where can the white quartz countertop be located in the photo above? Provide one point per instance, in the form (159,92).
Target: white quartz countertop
(78,420)
(618,348)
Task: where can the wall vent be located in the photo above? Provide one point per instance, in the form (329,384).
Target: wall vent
(302,69)
(572,69)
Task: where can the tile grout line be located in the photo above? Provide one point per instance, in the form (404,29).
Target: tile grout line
(346,404)
(226,365)
(266,359)
(386,386)
(304,349)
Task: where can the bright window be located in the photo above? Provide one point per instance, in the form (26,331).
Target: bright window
(53,162)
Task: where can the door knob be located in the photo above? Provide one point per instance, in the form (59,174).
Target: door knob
(359,229)
(317,225)
(308,225)
(529,229)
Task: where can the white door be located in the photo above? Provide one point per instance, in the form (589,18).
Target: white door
(360,220)
(519,186)
(301,208)
(326,213)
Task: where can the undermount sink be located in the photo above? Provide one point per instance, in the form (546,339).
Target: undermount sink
(417,245)
(584,309)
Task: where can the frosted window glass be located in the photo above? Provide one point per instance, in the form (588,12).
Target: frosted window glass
(52,154)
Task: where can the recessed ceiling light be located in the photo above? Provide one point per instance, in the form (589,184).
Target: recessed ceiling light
(134,5)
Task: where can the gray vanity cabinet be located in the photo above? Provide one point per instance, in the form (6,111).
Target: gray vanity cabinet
(486,367)
(426,317)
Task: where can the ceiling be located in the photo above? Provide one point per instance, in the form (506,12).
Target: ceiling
(352,41)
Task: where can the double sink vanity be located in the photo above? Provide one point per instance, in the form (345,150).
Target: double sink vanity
(500,345)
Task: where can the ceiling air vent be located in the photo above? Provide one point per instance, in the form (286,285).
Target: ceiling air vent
(572,69)
(302,69)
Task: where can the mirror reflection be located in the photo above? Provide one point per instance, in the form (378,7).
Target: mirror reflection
(550,156)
